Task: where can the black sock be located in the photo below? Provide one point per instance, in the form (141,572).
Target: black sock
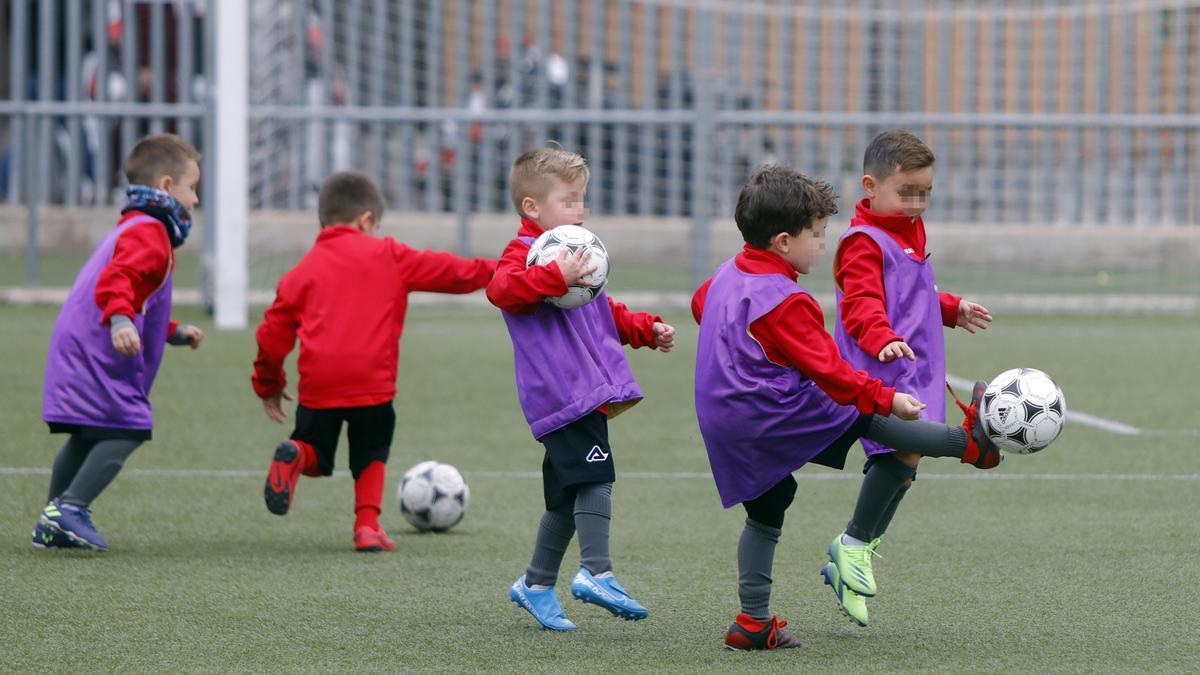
(931,439)
(66,464)
(102,465)
(886,475)
(886,518)
(553,537)
(756,557)
(593,514)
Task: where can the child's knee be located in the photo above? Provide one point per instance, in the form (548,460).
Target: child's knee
(909,458)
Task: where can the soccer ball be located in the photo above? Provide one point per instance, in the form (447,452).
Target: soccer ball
(1023,410)
(573,237)
(433,496)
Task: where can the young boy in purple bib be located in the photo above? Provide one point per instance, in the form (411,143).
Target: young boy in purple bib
(773,393)
(572,376)
(890,321)
(109,339)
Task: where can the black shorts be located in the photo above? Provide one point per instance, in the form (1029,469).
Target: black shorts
(90,433)
(834,455)
(368,429)
(577,454)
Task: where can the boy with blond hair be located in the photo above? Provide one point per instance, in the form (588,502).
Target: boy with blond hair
(890,320)
(572,376)
(109,339)
(346,301)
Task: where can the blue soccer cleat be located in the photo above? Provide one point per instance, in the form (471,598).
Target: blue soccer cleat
(606,592)
(73,522)
(45,538)
(542,604)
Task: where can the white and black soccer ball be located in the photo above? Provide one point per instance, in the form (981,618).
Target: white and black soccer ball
(572,237)
(433,496)
(1023,410)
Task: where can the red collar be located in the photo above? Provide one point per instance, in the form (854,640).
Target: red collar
(336,231)
(906,231)
(761,261)
(529,229)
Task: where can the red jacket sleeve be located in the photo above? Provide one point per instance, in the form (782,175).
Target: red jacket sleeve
(139,265)
(519,289)
(276,337)
(698,300)
(859,273)
(635,329)
(949,303)
(794,333)
(442,272)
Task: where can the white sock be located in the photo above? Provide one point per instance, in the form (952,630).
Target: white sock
(538,587)
(847,540)
(604,575)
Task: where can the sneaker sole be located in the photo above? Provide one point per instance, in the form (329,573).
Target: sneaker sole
(616,611)
(825,575)
(279,501)
(78,540)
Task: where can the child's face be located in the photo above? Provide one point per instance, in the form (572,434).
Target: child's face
(563,204)
(184,189)
(904,192)
(803,250)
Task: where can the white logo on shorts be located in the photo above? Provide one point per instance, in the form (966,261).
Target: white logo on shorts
(597,455)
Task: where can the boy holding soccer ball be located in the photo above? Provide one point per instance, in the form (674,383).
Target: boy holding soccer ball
(773,393)
(572,376)
(346,301)
(890,320)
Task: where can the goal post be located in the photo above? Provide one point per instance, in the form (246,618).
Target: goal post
(230,166)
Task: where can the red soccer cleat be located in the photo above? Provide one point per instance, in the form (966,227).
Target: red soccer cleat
(748,634)
(372,540)
(981,451)
(282,478)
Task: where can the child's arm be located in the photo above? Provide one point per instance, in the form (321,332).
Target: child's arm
(140,261)
(641,329)
(960,313)
(698,300)
(276,336)
(858,271)
(441,272)
(519,289)
(793,334)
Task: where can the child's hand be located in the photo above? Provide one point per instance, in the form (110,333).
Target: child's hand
(193,335)
(895,350)
(574,266)
(906,407)
(664,336)
(127,341)
(274,406)
(972,315)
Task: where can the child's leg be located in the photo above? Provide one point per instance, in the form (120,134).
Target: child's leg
(67,462)
(886,476)
(369,432)
(756,548)
(101,466)
(593,514)
(554,536)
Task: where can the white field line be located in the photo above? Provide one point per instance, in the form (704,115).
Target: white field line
(1075,416)
(258,474)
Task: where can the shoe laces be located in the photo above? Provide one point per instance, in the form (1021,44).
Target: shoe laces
(969,411)
(777,624)
(85,513)
(871,547)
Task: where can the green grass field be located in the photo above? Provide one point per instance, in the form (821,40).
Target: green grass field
(1081,559)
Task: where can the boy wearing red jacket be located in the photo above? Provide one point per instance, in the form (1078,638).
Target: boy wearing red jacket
(345,301)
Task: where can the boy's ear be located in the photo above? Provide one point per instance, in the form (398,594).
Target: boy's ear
(869,185)
(779,242)
(529,207)
(165,182)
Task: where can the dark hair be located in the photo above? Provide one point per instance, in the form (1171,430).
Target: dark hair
(156,156)
(895,150)
(346,196)
(778,199)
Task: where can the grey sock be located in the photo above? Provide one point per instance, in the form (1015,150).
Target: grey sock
(102,465)
(931,439)
(756,557)
(885,518)
(593,513)
(66,464)
(553,537)
(886,475)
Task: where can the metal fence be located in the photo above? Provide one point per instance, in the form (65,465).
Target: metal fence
(1073,112)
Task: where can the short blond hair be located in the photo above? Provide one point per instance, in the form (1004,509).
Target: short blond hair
(159,155)
(531,173)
